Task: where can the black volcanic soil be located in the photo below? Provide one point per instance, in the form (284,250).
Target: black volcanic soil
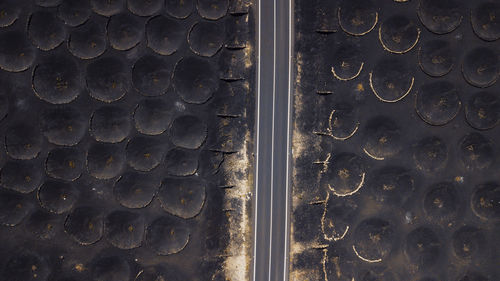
(395,140)
(116,119)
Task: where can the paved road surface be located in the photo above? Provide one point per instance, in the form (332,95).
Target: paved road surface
(273,141)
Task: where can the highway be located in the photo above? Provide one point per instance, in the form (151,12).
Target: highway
(272,173)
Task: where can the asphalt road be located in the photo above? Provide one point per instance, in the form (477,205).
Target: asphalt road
(273,141)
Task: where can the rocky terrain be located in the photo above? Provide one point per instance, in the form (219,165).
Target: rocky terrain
(127,135)
(395,140)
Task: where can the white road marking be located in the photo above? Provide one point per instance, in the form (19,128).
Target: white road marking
(272,142)
(257,139)
(288,148)
(259,48)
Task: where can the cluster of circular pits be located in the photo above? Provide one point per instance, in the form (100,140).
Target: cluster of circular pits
(87,38)
(28,265)
(181,197)
(437,103)
(384,138)
(391,79)
(442,204)
(59,79)
(423,246)
(88,29)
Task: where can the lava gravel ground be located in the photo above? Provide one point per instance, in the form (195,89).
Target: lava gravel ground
(125,130)
(395,140)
